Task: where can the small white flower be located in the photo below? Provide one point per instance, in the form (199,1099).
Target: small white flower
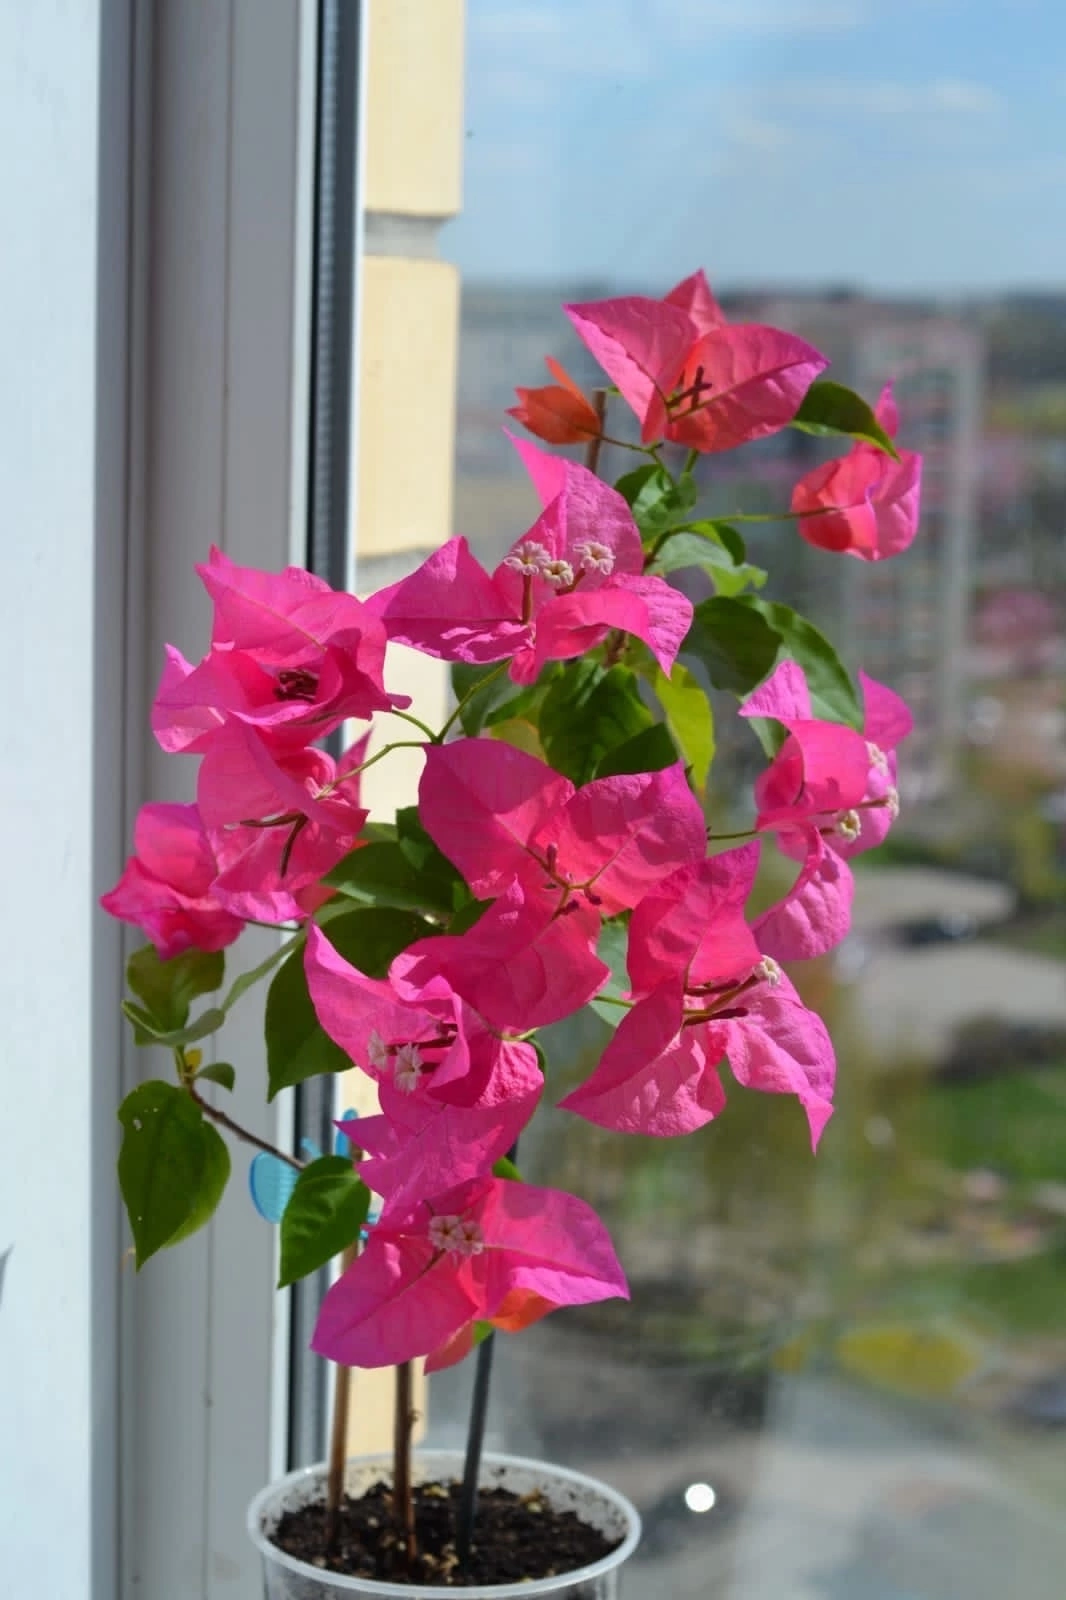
(891,802)
(849,825)
(529,558)
(769,971)
(457,1235)
(407,1068)
(878,759)
(377,1052)
(595,557)
(561,573)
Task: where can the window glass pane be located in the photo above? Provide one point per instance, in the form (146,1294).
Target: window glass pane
(863,1353)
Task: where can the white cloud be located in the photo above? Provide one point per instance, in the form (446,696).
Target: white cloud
(761,16)
(887,98)
(626,38)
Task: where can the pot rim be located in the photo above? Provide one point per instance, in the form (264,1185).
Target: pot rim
(443,1461)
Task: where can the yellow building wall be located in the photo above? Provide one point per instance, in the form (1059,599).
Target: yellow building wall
(408,330)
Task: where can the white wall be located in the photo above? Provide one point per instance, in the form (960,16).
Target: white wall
(59,559)
(154,227)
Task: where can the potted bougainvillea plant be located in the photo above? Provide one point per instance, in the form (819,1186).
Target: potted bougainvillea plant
(563,853)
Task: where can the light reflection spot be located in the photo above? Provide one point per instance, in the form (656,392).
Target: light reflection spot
(700,1497)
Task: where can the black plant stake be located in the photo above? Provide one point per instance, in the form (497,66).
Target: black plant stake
(475,1438)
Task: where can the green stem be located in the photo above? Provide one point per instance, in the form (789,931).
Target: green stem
(592,449)
(776,516)
(659,542)
(610,1000)
(386,750)
(415,722)
(482,683)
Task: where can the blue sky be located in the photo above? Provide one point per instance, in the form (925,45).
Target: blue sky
(918,145)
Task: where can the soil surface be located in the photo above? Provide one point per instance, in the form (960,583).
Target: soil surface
(516,1538)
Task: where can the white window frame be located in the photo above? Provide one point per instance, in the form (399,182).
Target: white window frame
(155,280)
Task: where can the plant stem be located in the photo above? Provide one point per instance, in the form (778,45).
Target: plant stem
(386,750)
(338,1443)
(225,1121)
(338,1438)
(483,683)
(403,1504)
(414,721)
(592,449)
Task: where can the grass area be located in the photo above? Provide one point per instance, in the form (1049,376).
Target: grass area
(1040,938)
(1014,1124)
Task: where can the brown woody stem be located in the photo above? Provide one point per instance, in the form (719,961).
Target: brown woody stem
(338,1446)
(403,1503)
(225,1121)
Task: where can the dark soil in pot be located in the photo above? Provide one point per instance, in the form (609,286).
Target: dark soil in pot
(517,1538)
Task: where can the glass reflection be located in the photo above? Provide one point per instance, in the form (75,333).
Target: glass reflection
(839,1379)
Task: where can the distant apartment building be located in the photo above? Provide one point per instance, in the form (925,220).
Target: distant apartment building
(906,621)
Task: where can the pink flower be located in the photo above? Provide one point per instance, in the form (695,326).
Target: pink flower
(278,821)
(289,656)
(518,1310)
(408,1043)
(576,575)
(691,377)
(524,964)
(424,1143)
(829,793)
(863,504)
(692,925)
(499,813)
(166,887)
(707,992)
(428,1274)
(659,1074)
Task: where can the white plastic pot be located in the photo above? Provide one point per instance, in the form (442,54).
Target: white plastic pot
(595,1503)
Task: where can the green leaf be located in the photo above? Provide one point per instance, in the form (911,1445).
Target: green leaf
(689,718)
(730,540)
(735,644)
(473,717)
(213,1181)
(833,695)
(468,915)
(443,884)
(168,1170)
(505,1168)
(248,980)
(218,1072)
(325,1212)
(385,874)
(589,711)
(168,988)
(297,1045)
(657,503)
(648,751)
(611,948)
(705,545)
(146,1028)
(831,408)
